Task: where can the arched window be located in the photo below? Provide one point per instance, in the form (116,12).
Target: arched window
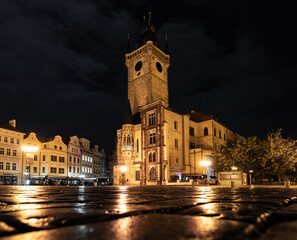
(128,143)
(154,157)
(137,145)
(224,136)
(214,132)
(205,131)
(220,135)
(124,142)
(152,174)
(150,157)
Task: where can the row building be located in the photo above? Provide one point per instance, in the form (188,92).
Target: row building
(158,144)
(24,157)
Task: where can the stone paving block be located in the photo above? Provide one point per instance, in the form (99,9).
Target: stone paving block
(150,226)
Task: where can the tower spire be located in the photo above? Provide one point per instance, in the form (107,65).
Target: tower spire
(147,31)
(128,118)
(128,44)
(166,45)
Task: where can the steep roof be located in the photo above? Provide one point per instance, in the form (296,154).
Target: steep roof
(46,139)
(9,127)
(199,117)
(147,31)
(128,117)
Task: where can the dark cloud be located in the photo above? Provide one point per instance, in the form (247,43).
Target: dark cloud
(62,63)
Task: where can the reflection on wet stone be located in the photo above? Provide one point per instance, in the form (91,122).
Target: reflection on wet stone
(157,212)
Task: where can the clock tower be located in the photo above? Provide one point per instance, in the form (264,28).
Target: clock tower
(147,69)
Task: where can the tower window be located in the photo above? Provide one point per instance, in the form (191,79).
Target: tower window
(214,132)
(191,131)
(220,134)
(152,138)
(175,124)
(224,137)
(152,119)
(176,143)
(205,131)
(137,145)
(150,157)
(154,157)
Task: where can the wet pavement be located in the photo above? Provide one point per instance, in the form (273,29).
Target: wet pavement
(151,212)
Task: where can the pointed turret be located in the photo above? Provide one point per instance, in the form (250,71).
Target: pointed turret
(166,46)
(128,44)
(147,31)
(128,118)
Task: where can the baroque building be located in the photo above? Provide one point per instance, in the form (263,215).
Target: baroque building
(156,143)
(11,166)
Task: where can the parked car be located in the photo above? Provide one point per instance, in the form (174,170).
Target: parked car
(213,180)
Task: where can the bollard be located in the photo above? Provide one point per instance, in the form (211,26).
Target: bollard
(287,184)
(232,184)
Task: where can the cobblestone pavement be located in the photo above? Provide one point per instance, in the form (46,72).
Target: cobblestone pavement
(159,212)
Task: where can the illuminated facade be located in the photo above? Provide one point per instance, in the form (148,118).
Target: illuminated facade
(53,155)
(157,144)
(11,140)
(73,156)
(86,158)
(31,161)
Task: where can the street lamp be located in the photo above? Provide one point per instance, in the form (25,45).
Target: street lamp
(234,168)
(206,164)
(29,151)
(250,173)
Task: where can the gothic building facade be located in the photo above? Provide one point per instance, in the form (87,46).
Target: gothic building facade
(157,144)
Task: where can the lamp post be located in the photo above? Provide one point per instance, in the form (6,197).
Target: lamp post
(123,170)
(206,164)
(250,173)
(29,152)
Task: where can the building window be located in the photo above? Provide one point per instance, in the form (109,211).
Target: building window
(1,165)
(175,124)
(5,139)
(70,158)
(153,174)
(35,157)
(69,169)
(35,170)
(83,157)
(191,131)
(74,169)
(43,169)
(60,148)
(14,152)
(18,141)
(43,157)
(137,145)
(150,157)
(224,137)
(12,140)
(7,166)
(77,170)
(154,157)
(61,170)
(74,159)
(77,160)
(176,143)
(176,160)
(44,145)
(152,139)
(192,145)
(2,151)
(220,134)
(8,152)
(205,131)
(83,169)
(152,119)
(55,146)
(214,132)
(53,158)
(137,175)
(13,166)
(61,159)
(53,170)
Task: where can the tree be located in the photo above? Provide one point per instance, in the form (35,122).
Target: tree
(281,154)
(243,153)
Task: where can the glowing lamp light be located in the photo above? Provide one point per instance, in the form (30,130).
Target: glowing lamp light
(234,168)
(123,169)
(30,149)
(205,163)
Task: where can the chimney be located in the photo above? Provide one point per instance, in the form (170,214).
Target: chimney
(12,122)
(96,147)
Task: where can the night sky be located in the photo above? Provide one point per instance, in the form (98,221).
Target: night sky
(62,66)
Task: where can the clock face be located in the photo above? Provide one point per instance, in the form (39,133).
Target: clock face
(138,66)
(159,66)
